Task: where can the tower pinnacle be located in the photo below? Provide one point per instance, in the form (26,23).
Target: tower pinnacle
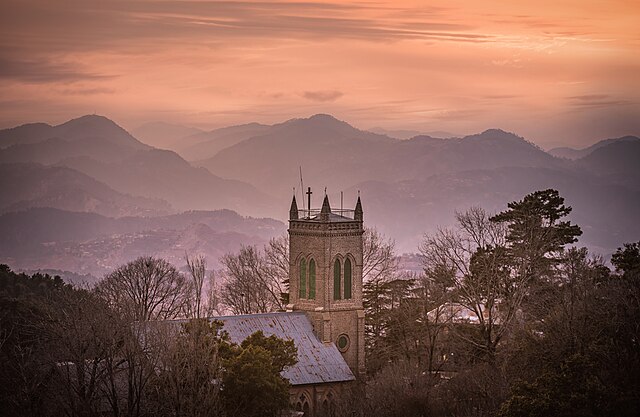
(357,213)
(293,211)
(326,209)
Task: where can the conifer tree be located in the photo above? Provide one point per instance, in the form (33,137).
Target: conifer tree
(537,232)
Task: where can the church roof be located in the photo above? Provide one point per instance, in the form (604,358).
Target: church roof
(318,362)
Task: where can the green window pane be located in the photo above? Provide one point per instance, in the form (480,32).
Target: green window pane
(302,292)
(312,279)
(336,280)
(347,278)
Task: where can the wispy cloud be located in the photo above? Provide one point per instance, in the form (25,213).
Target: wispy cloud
(87,91)
(597,100)
(442,66)
(91,24)
(45,72)
(589,97)
(500,96)
(323,96)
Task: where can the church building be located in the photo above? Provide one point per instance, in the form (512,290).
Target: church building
(325,317)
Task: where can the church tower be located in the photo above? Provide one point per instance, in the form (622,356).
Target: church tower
(325,275)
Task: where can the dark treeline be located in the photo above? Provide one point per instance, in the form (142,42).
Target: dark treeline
(116,351)
(508,318)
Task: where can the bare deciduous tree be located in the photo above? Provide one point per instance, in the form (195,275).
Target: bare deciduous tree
(259,282)
(197,266)
(379,260)
(276,254)
(482,280)
(379,267)
(250,286)
(145,289)
(191,370)
(436,317)
(212,304)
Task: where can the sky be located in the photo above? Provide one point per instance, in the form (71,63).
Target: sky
(558,72)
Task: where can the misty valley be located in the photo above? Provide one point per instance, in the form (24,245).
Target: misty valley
(310,268)
(86,196)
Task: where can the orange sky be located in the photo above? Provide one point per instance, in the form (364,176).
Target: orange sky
(556,72)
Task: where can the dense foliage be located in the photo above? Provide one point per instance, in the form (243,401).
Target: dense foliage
(69,351)
(508,320)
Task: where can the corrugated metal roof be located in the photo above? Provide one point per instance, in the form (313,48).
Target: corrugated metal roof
(317,362)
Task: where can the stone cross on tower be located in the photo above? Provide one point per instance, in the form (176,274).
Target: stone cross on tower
(309,199)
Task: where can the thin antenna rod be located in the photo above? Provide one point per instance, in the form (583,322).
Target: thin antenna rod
(341,199)
(301,187)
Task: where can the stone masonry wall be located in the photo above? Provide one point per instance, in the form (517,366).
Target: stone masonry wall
(324,242)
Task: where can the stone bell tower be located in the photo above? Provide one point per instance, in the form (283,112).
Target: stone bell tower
(325,275)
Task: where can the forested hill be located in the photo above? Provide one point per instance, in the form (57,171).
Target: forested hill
(89,243)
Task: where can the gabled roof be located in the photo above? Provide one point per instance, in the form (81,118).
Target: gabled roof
(318,362)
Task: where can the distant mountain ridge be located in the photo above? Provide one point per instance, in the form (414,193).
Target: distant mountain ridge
(84,127)
(99,148)
(408,209)
(411,186)
(207,144)
(336,155)
(164,135)
(30,185)
(572,153)
(617,161)
(408,134)
(91,165)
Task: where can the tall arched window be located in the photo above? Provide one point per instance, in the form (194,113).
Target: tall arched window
(336,280)
(329,406)
(312,279)
(347,278)
(302,291)
(303,405)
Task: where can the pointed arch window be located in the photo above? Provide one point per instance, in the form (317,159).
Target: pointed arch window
(303,405)
(312,279)
(336,280)
(329,406)
(347,279)
(302,290)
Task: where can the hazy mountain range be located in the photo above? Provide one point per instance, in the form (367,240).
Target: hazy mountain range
(97,147)
(408,134)
(572,153)
(87,195)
